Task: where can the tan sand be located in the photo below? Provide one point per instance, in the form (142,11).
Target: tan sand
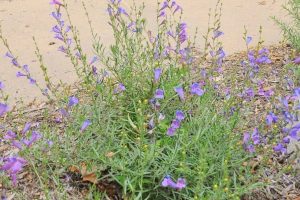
(22,19)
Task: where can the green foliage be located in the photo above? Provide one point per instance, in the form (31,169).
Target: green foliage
(291,30)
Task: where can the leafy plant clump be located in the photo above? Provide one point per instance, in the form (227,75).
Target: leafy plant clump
(147,121)
(291,30)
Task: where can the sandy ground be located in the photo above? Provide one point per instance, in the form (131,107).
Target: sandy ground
(22,19)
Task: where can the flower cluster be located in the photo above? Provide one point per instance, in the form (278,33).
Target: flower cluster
(179,184)
(25,69)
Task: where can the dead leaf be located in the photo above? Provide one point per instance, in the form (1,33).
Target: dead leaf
(74,169)
(92,178)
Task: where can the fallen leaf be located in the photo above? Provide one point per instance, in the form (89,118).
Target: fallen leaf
(92,178)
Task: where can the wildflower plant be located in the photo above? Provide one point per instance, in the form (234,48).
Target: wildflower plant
(148,119)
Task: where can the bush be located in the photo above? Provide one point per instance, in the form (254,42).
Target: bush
(291,31)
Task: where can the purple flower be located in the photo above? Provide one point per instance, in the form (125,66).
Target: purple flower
(1,85)
(26,68)
(248,40)
(249,93)
(255,137)
(155,104)
(3,109)
(294,132)
(32,81)
(62,49)
(73,101)
(168,182)
(196,89)
(161,117)
(17,144)
(251,148)
(56,29)
(94,70)
(9,55)
(179,115)
(13,166)
(157,73)
(120,88)
(85,124)
(93,60)
(175,124)
(182,33)
(285,101)
(151,123)
(26,128)
(271,118)
(56,15)
(280,148)
(19,74)
(10,135)
(122,11)
(56,2)
(34,137)
(162,14)
(297,60)
(296,95)
(178,7)
(286,140)
(181,183)
(159,94)
(171,131)
(217,34)
(246,138)
(179,90)
(15,62)
(165,5)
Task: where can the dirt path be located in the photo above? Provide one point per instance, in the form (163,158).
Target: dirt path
(22,19)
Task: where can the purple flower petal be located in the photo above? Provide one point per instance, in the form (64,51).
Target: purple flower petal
(159,94)
(168,182)
(3,109)
(56,15)
(73,101)
(217,34)
(246,138)
(255,137)
(171,131)
(175,124)
(280,148)
(181,183)
(179,90)
(271,118)
(34,137)
(294,132)
(1,85)
(248,40)
(56,2)
(10,135)
(94,59)
(19,74)
(85,124)
(120,88)
(196,89)
(157,73)
(179,115)
(26,128)
(17,144)
(13,166)
(297,60)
